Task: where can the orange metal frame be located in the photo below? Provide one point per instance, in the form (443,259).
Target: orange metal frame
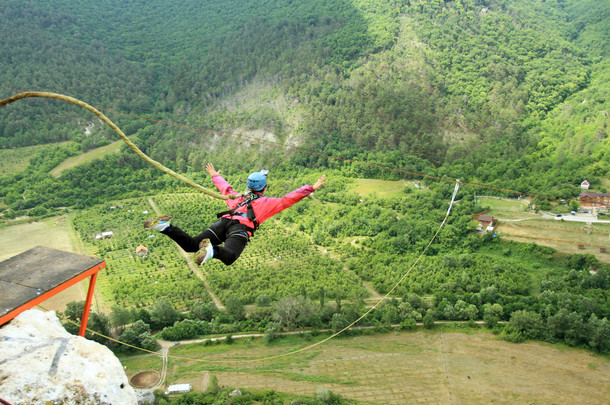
(92,272)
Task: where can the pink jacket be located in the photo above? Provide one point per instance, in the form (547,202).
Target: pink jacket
(263,207)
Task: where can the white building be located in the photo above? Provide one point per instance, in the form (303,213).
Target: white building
(178,389)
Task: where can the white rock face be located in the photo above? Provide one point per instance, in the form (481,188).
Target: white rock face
(42,363)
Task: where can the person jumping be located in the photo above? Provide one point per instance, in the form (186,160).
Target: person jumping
(235,226)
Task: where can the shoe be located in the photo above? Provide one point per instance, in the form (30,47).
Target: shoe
(158,224)
(206,252)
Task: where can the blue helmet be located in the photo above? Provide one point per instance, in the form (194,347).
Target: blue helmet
(257,181)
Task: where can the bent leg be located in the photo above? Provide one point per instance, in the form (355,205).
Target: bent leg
(232,248)
(186,241)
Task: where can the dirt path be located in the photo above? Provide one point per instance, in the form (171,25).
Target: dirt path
(374,294)
(163,374)
(206,380)
(192,265)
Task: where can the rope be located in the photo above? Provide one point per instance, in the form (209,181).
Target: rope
(404,276)
(116,129)
(371,309)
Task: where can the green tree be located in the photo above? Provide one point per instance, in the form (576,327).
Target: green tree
(338,322)
(139,336)
(566,325)
(428,320)
(263,300)
(97,322)
(598,334)
(204,311)
(163,313)
(285,311)
(492,314)
(120,316)
(472,312)
(235,308)
(528,323)
(272,332)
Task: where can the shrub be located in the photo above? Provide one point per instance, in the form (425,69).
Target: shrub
(409,324)
(272,332)
(428,321)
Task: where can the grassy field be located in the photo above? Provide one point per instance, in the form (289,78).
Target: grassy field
(15,160)
(563,236)
(135,364)
(55,233)
(383,188)
(93,154)
(400,367)
(508,208)
(518,224)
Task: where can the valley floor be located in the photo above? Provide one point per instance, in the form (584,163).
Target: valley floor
(424,367)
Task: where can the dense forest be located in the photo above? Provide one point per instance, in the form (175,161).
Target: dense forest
(492,91)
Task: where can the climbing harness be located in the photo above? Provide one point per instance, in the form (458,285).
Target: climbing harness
(116,129)
(249,211)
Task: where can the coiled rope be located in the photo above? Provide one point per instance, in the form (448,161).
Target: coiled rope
(132,146)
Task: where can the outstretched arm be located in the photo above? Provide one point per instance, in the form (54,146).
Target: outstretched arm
(209,167)
(319,183)
(220,183)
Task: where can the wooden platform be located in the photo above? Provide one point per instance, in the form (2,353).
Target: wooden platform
(31,277)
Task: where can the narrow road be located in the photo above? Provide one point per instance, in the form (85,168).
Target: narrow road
(575,218)
(163,375)
(191,264)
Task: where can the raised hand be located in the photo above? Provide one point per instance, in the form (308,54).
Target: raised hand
(210,169)
(319,183)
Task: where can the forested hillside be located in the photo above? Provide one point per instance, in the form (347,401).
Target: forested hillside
(488,90)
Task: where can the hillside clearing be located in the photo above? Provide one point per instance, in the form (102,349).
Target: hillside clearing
(54,233)
(17,159)
(383,188)
(563,236)
(97,153)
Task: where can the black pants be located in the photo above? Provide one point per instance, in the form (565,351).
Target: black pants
(232,233)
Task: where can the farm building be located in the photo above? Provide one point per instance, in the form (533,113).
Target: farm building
(142,251)
(486,222)
(585,185)
(590,200)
